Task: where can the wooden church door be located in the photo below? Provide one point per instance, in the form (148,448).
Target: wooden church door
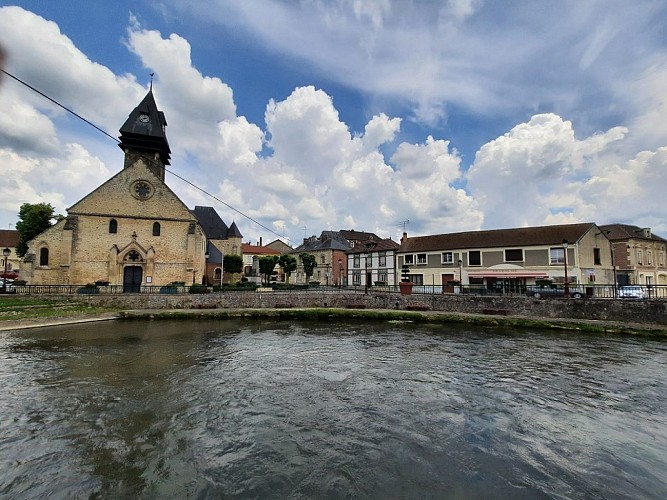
(132,277)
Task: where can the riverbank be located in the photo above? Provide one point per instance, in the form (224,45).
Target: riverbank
(333,314)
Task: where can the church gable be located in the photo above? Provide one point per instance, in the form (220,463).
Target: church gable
(134,192)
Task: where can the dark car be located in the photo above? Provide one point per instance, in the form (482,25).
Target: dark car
(552,291)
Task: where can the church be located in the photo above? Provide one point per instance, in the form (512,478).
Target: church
(133,230)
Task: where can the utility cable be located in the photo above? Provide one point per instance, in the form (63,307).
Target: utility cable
(115,139)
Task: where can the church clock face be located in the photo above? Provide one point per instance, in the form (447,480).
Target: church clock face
(142,190)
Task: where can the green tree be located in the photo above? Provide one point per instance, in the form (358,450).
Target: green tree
(266,266)
(288,263)
(33,219)
(232,264)
(309,264)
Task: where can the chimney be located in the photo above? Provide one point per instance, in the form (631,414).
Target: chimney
(404,237)
(260,241)
(646,232)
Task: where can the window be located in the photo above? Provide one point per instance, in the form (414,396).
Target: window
(218,272)
(356,261)
(417,279)
(421,259)
(356,278)
(113,226)
(649,257)
(661,258)
(156,229)
(321,259)
(474,258)
(382,276)
(596,257)
(639,257)
(383,259)
(557,255)
(513,255)
(409,259)
(43,256)
(447,258)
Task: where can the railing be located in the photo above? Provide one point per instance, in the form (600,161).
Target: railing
(588,291)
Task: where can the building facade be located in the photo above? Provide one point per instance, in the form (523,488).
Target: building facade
(640,257)
(507,260)
(372,263)
(132,230)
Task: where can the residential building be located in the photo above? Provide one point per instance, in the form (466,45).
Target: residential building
(279,245)
(251,255)
(506,260)
(640,256)
(9,238)
(372,262)
(329,252)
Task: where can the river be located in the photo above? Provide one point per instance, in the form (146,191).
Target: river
(266,409)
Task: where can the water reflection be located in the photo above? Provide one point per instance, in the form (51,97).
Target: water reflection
(306,410)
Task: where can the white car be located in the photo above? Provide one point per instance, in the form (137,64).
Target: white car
(632,292)
(10,287)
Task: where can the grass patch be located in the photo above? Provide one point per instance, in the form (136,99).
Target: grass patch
(16,309)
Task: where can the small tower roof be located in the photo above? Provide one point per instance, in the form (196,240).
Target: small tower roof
(144,130)
(234,231)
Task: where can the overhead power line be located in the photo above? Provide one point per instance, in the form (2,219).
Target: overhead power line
(115,139)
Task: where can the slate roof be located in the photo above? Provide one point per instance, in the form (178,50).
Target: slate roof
(352,235)
(234,231)
(620,232)
(328,240)
(516,237)
(377,246)
(213,226)
(150,137)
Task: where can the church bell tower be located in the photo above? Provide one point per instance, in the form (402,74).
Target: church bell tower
(144,135)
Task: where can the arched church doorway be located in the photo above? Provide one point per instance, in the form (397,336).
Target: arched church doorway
(132,276)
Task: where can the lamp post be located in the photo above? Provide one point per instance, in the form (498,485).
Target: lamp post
(6,253)
(366,265)
(566,286)
(222,266)
(340,272)
(206,256)
(460,276)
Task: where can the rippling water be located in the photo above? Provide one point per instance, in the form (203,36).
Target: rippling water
(314,410)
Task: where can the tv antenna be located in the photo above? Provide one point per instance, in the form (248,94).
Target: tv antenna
(403,224)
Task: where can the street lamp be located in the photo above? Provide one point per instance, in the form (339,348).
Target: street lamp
(366,265)
(206,256)
(566,286)
(222,266)
(6,253)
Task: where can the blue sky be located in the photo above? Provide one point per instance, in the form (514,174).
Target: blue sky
(314,115)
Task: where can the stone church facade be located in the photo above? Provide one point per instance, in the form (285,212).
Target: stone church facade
(133,230)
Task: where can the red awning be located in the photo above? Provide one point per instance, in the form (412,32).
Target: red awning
(506,274)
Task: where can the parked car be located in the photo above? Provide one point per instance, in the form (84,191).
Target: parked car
(10,286)
(553,291)
(632,292)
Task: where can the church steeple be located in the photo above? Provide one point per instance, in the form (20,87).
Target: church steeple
(143,134)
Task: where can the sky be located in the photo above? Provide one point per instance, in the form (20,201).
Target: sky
(295,117)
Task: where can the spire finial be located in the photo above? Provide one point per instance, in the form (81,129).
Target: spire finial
(152,75)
